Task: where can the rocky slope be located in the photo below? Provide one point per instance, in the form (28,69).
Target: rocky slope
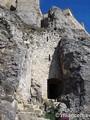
(24,67)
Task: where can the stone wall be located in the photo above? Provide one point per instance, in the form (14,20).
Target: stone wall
(29,11)
(45,62)
(72,19)
(8,3)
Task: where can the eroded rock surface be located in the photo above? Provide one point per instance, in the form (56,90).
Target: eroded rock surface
(30,56)
(74,58)
(14,59)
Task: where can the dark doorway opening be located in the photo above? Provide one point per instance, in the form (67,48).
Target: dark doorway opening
(12,8)
(55,88)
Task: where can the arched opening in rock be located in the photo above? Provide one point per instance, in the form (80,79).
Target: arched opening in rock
(12,8)
(55,88)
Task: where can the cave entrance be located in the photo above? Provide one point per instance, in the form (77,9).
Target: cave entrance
(55,88)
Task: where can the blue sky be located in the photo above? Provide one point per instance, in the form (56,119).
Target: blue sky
(80,9)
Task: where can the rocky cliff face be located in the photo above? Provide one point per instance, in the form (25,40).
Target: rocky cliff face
(75,65)
(27,10)
(29,56)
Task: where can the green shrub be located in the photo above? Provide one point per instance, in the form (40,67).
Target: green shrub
(50,113)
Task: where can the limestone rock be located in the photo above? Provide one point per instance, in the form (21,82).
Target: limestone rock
(14,57)
(28,10)
(7,111)
(74,57)
(34,61)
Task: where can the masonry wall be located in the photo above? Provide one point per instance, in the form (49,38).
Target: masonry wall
(29,11)
(45,61)
(28,6)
